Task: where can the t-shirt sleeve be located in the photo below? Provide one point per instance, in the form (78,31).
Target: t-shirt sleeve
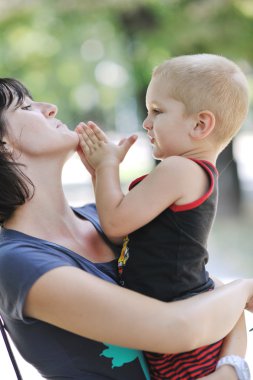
(21,265)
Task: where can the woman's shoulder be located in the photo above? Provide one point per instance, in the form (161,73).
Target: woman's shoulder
(23,259)
(24,253)
(18,247)
(89,212)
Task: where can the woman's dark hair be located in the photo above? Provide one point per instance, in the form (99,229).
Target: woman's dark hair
(14,184)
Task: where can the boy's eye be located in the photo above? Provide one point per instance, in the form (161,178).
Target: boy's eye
(155,111)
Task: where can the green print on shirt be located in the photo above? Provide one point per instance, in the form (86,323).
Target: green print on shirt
(122,355)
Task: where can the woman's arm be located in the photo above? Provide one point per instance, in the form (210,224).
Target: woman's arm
(88,306)
(235,343)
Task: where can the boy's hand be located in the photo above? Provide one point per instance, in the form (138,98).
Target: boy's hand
(79,151)
(89,168)
(97,149)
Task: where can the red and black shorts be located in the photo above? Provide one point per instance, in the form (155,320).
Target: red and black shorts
(189,365)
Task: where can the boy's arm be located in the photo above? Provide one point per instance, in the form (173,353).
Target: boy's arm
(173,180)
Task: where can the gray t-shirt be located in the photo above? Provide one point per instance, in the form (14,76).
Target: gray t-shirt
(54,352)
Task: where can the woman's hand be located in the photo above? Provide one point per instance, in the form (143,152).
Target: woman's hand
(249,287)
(249,305)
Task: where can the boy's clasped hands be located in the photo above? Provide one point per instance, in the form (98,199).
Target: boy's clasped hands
(98,149)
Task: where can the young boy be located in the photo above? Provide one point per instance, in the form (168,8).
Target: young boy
(196,104)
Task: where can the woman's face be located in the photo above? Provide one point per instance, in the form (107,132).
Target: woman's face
(34,130)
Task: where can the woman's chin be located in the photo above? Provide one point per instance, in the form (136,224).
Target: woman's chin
(75,139)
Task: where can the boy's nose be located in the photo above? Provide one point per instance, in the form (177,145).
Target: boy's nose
(147,124)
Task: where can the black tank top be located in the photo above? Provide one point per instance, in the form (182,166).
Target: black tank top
(166,258)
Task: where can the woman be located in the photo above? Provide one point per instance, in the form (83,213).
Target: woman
(57,269)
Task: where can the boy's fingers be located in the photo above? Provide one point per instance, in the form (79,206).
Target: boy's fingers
(121,142)
(100,135)
(98,131)
(80,127)
(128,141)
(126,144)
(89,134)
(87,137)
(85,147)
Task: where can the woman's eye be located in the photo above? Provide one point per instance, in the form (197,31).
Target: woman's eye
(26,108)
(156,110)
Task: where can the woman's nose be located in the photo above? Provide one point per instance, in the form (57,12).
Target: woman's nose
(50,110)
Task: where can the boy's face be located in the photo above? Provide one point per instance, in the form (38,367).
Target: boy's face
(166,123)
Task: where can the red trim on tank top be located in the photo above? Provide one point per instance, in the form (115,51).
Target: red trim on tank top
(189,206)
(137,180)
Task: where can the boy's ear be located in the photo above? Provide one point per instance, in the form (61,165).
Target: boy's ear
(204,125)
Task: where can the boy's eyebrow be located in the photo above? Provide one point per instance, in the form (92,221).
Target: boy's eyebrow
(153,103)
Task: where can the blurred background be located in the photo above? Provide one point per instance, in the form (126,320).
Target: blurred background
(94,58)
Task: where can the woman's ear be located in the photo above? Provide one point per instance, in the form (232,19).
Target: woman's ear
(6,147)
(204,125)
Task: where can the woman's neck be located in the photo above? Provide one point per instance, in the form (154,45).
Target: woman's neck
(48,208)
(43,213)
(48,216)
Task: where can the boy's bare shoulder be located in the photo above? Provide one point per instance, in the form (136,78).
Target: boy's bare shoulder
(178,163)
(182,171)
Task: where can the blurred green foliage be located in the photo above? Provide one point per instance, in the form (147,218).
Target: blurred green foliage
(94,58)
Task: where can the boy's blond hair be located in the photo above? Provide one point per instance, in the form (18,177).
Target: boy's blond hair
(209,82)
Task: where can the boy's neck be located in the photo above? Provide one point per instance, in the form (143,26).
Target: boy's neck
(206,157)
(203,153)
